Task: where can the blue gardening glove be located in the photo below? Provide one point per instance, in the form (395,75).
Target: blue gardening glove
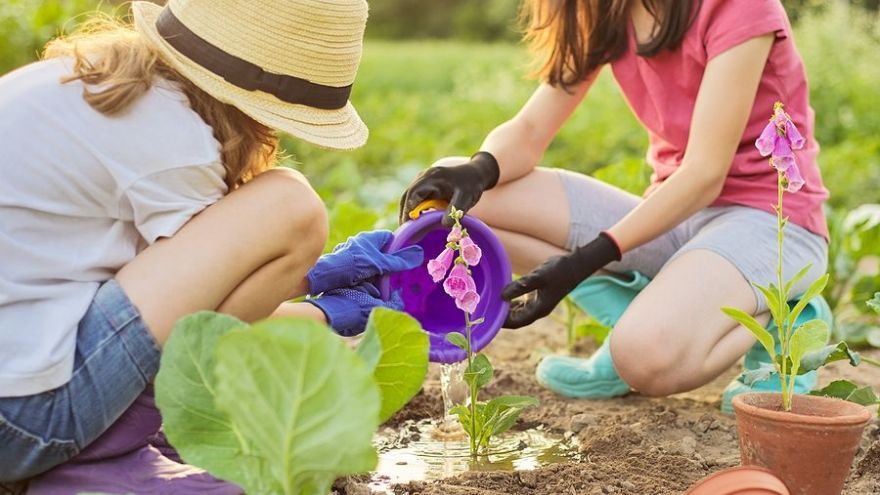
(348,309)
(360,259)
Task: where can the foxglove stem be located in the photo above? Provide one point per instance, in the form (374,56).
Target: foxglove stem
(472,384)
(781,326)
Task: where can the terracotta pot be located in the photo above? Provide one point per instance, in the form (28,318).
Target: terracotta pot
(810,448)
(740,480)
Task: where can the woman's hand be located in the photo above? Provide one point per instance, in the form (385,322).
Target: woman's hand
(552,281)
(461,185)
(360,259)
(348,309)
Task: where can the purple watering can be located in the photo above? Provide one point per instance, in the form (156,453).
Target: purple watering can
(430,305)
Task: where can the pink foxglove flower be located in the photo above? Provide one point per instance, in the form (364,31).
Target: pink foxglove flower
(788,166)
(459,282)
(438,266)
(468,302)
(455,234)
(778,139)
(470,252)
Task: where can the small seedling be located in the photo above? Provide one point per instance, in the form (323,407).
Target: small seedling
(480,420)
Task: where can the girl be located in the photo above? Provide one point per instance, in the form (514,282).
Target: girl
(702,77)
(137,189)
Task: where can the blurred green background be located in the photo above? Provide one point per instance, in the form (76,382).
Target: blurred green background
(438,75)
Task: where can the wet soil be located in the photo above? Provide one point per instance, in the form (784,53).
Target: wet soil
(629,446)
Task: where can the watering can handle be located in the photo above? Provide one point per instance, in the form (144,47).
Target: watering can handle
(426,205)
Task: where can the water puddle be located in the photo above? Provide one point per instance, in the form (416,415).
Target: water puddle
(427,450)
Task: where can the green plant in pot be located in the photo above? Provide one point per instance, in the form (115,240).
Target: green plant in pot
(808,441)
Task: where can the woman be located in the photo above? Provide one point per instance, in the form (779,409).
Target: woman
(137,189)
(702,77)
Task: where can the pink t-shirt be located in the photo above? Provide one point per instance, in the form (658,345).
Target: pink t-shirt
(662,91)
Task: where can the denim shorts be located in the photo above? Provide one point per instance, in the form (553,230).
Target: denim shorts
(116,358)
(742,235)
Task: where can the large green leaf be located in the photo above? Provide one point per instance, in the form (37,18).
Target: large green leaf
(757,330)
(809,337)
(185,389)
(305,401)
(396,348)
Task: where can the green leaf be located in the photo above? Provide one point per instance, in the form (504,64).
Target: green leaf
(771,296)
(809,337)
(505,411)
(849,391)
(840,389)
(305,401)
(874,303)
(814,290)
(594,329)
(864,396)
(752,324)
(185,389)
(458,340)
(479,373)
(828,354)
(762,373)
(794,280)
(863,291)
(396,348)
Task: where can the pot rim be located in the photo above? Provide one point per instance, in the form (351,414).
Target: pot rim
(860,418)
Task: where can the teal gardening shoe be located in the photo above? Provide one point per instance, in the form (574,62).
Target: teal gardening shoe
(816,309)
(605,298)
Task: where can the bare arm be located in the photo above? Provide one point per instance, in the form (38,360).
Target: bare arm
(723,105)
(519,143)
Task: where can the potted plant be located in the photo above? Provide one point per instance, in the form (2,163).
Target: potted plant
(808,441)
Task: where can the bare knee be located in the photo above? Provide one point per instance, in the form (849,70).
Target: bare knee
(647,362)
(303,218)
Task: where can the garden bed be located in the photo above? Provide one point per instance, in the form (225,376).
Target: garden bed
(631,445)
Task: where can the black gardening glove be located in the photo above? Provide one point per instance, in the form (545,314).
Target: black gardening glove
(461,185)
(552,281)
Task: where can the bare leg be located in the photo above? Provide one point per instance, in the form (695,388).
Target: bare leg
(243,256)
(674,337)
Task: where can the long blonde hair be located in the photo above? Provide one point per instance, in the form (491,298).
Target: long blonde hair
(109,52)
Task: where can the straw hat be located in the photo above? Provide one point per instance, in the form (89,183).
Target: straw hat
(289,64)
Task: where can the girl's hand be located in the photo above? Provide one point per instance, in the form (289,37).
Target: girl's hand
(347,310)
(460,185)
(359,259)
(552,281)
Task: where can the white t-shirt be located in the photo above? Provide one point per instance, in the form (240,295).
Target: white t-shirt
(80,195)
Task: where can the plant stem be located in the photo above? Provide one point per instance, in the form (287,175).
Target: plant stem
(782,326)
(472,385)
(872,362)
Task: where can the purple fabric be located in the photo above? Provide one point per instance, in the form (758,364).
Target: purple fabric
(122,460)
(429,303)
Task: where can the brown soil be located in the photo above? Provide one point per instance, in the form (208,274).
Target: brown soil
(630,445)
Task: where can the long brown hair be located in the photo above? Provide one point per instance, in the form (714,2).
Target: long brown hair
(572,38)
(110,53)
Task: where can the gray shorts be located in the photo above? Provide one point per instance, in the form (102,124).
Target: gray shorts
(744,236)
